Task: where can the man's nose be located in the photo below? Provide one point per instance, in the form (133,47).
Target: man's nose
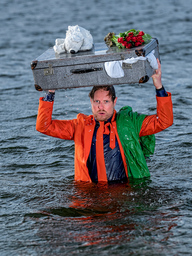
(101,105)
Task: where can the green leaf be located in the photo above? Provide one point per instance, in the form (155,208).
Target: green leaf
(114,40)
(132,30)
(146,37)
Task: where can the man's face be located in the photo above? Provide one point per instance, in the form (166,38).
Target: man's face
(102,105)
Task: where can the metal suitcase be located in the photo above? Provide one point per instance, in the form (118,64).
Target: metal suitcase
(52,71)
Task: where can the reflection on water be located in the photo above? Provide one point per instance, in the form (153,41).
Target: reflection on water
(103,216)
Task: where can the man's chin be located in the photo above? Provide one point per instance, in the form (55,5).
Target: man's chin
(101,117)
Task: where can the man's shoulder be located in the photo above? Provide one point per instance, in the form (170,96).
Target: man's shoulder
(84,118)
(125,108)
(126,113)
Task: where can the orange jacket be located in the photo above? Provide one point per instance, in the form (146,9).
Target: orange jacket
(81,130)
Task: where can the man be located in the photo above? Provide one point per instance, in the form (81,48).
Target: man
(109,146)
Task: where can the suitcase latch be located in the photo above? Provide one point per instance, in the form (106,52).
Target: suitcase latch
(48,71)
(126,65)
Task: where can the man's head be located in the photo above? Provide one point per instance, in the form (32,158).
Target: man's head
(103,100)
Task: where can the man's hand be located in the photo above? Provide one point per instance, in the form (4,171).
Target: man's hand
(52,91)
(157,77)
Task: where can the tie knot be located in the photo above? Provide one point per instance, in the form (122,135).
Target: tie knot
(107,128)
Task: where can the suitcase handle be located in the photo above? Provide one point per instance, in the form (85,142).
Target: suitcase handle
(85,70)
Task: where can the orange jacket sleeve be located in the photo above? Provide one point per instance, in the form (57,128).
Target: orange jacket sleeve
(163,119)
(63,129)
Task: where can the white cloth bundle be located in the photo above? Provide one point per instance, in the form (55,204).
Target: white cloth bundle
(114,68)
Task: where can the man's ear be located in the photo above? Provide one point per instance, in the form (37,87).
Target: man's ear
(115,101)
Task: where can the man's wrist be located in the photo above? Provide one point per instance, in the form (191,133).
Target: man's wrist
(161,92)
(50,96)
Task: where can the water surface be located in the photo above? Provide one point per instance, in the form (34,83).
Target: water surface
(42,210)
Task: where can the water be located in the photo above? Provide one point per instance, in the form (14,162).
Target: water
(42,210)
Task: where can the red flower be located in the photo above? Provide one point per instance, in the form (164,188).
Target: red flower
(128,46)
(131,40)
(120,40)
(124,43)
(141,33)
(128,38)
(138,43)
(139,38)
(131,34)
(134,39)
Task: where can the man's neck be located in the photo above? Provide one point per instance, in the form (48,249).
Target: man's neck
(105,121)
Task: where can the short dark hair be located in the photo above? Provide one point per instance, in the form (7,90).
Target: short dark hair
(108,88)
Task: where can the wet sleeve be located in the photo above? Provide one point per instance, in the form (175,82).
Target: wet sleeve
(163,119)
(63,129)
